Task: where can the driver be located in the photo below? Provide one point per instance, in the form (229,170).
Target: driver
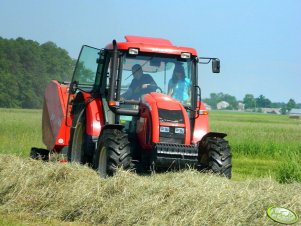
(140,85)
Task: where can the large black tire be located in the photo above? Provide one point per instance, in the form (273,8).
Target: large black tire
(215,155)
(113,151)
(79,144)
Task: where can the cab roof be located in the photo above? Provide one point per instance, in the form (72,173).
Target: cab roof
(152,45)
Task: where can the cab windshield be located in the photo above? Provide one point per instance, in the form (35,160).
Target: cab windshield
(143,74)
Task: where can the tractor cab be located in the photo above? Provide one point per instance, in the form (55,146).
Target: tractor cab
(164,68)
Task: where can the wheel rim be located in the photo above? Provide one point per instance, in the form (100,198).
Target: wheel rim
(102,163)
(76,151)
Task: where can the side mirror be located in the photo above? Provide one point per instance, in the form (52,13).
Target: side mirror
(216,65)
(73,87)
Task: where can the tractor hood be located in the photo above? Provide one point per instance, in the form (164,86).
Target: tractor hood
(165,112)
(164,101)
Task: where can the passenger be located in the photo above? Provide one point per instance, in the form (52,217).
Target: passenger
(179,85)
(140,85)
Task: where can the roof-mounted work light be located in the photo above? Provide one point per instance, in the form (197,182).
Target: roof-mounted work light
(133,51)
(185,55)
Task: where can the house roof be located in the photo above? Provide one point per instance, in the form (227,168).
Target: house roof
(295,111)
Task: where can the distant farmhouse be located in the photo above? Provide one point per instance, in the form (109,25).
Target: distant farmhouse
(241,106)
(222,105)
(276,111)
(295,113)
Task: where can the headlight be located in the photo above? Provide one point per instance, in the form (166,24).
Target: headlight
(179,130)
(164,129)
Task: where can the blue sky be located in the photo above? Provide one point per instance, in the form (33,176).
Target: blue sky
(258,42)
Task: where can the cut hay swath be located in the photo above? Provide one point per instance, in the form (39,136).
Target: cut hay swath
(70,192)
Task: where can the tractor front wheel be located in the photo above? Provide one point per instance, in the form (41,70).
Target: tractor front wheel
(113,151)
(215,155)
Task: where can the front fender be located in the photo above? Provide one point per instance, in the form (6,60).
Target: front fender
(214,134)
(201,124)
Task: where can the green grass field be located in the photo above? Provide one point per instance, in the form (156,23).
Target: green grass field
(260,143)
(265,148)
(20,129)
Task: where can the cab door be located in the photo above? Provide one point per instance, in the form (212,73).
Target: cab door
(84,76)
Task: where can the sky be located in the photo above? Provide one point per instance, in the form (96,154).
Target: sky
(257,41)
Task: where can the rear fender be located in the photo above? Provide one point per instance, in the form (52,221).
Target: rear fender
(94,118)
(84,103)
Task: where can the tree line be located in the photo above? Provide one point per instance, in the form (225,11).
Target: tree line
(25,69)
(250,102)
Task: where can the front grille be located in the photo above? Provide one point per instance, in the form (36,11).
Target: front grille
(175,116)
(171,140)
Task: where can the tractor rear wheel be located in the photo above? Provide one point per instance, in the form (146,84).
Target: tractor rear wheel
(113,152)
(215,155)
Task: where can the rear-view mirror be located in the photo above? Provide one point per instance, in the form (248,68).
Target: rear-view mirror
(73,87)
(215,65)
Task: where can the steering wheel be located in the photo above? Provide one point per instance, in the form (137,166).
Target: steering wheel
(155,87)
(158,88)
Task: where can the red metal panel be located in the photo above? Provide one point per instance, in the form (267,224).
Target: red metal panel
(187,126)
(201,126)
(151,103)
(94,118)
(148,40)
(56,96)
(154,45)
(154,101)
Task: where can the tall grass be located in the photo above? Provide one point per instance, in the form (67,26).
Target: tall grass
(20,129)
(259,135)
(260,143)
(76,193)
(290,170)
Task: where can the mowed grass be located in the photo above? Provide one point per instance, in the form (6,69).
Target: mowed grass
(73,193)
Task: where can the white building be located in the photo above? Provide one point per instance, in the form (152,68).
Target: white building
(241,106)
(276,111)
(295,113)
(222,105)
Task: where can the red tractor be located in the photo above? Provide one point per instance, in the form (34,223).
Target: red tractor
(134,104)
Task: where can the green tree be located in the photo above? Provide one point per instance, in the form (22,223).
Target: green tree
(25,69)
(249,101)
(290,104)
(231,100)
(262,102)
(283,109)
